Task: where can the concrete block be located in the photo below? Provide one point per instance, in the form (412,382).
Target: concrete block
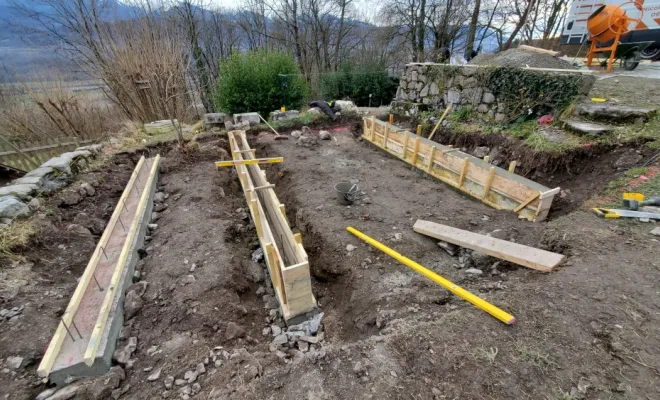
(252,118)
(214,118)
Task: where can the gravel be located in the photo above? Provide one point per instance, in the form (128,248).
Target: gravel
(521,58)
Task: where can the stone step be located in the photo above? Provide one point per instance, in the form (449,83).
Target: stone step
(586,128)
(613,112)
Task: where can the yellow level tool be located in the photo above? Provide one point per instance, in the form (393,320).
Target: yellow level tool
(449,285)
(234,163)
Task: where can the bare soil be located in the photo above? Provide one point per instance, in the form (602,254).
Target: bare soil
(589,330)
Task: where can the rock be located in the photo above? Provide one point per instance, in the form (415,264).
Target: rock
(587,128)
(278,340)
(307,141)
(234,331)
(325,135)
(133,303)
(296,134)
(188,279)
(483,108)
(488,98)
(34,204)
(46,394)
(159,197)
(552,134)
(200,369)
(275,330)
(481,259)
(101,387)
(310,327)
(22,191)
(88,188)
(481,151)
(473,271)
(14,362)
(315,111)
(347,106)
(196,388)
(500,117)
(121,356)
(310,339)
(350,248)
(229,126)
(303,346)
(254,270)
(190,376)
(11,207)
(66,393)
(450,248)
(613,112)
(656,231)
(398,236)
(70,198)
(358,369)
(155,375)
(498,234)
(160,207)
(168,382)
(180,382)
(258,255)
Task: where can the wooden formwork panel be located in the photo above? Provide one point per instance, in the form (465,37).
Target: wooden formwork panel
(496,187)
(286,259)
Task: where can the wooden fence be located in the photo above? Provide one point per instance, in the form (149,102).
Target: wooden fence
(27,156)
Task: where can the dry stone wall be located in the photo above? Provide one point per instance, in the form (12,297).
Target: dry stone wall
(497,93)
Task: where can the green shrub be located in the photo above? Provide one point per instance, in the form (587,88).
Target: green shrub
(260,81)
(356,83)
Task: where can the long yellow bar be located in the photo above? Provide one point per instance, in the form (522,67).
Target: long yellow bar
(233,163)
(452,287)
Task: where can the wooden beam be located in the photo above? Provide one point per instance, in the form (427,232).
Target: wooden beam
(233,163)
(526,202)
(387,131)
(538,50)
(415,150)
(526,256)
(429,165)
(373,128)
(512,166)
(489,181)
(406,137)
(269,186)
(464,171)
(440,121)
(419,130)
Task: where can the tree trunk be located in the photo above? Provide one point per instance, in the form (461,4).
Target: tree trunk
(472,32)
(421,28)
(519,25)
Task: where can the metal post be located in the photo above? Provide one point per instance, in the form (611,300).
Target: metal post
(76,328)
(68,331)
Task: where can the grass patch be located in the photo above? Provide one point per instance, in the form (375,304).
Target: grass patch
(487,355)
(542,361)
(17,236)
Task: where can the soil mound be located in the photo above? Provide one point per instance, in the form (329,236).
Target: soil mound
(521,58)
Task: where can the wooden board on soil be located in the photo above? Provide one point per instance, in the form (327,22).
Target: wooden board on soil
(526,256)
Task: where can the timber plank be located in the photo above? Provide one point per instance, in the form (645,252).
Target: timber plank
(526,256)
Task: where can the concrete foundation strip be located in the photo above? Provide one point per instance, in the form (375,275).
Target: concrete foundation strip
(56,342)
(494,186)
(285,256)
(72,365)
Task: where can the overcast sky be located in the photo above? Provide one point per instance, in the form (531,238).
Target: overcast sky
(367,8)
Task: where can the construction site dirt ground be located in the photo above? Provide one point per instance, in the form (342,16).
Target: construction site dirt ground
(589,330)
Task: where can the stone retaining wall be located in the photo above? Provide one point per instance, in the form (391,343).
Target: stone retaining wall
(434,86)
(19,198)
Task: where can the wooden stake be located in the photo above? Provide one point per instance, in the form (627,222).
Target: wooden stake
(271,128)
(392,119)
(234,163)
(373,128)
(489,181)
(254,207)
(415,151)
(405,144)
(387,131)
(512,166)
(429,166)
(464,171)
(419,130)
(486,158)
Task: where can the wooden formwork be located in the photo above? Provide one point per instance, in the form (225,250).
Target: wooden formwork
(287,261)
(496,187)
